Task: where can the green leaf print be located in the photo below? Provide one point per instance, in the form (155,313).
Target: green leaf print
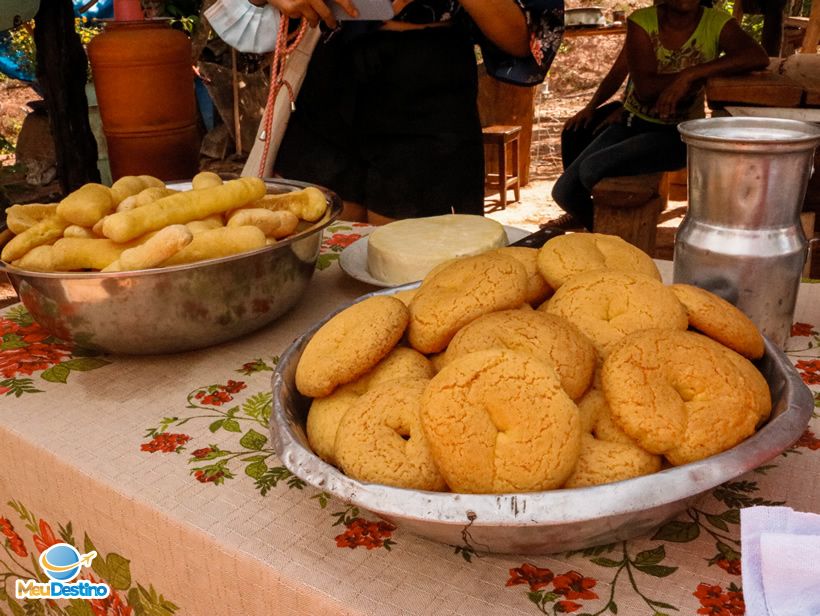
(677,532)
(15,608)
(56,374)
(607,562)
(83,364)
(216,425)
(650,557)
(656,570)
(256,469)
(253,440)
(717,522)
(231,425)
(79,607)
(258,407)
(119,571)
(18,387)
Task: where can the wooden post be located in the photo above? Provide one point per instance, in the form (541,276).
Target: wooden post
(62,67)
(813,30)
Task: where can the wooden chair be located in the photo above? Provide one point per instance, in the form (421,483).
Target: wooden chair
(503,139)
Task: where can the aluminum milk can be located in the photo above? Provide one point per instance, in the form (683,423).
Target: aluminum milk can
(741,237)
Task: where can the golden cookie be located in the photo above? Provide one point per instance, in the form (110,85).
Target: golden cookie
(720,320)
(549,338)
(499,421)
(604,462)
(537,288)
(566,256)
(380,438)
(350,344)
(606,305)
(326,413)
(677,394)
(460,293)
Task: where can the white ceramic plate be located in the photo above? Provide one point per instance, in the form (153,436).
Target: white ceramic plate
(353,259)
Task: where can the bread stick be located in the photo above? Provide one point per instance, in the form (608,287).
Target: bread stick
(144,197)
(47,231)
(221,242)
(76,231)
(164,244)
(181,208)
(131,185)
(273,224)
(308,204)
(38,259)
(205,179)
(86,205)
(71,253)
(22,217)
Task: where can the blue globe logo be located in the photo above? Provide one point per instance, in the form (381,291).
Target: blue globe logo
(61,562)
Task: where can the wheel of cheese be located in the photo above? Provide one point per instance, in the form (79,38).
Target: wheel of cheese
(406,250)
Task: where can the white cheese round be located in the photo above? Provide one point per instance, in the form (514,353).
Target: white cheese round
(406,250)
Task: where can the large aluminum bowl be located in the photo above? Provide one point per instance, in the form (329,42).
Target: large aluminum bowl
(166,310)
(540,522)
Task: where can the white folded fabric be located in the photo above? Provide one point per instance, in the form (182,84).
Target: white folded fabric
(780,561)
(243,26)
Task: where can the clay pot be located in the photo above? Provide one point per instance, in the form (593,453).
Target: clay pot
(145,89)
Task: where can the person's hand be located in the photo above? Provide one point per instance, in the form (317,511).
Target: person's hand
(313,10)
(580,120)
(673,94)
(612,118)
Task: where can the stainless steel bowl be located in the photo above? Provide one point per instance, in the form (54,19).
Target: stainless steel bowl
(166,310)
(540,522)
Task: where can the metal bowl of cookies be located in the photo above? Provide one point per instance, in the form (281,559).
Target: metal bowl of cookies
(180,307)
(546,521)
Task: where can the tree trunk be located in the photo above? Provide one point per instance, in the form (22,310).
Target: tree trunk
(61,72)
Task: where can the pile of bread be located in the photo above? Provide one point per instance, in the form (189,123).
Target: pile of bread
(526,369)
(139,223)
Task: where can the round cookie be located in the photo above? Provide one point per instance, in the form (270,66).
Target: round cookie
(537,288)
(715,317)
(461,292)
(547,337)
(380,438)
(566,256)
(606,305)
(755,383)
(677,394)
(326,413)
(604,462)
(499,421)
(350,344)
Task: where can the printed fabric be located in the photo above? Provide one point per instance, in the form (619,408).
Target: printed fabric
(702,46)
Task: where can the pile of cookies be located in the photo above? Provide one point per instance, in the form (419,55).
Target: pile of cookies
(139,223)
(525,369)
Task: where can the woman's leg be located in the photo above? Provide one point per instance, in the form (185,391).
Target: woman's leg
(569,191)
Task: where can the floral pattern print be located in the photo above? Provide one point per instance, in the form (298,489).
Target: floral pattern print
(127,598)
(26,348)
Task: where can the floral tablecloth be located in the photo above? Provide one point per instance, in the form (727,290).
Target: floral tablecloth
(163,466)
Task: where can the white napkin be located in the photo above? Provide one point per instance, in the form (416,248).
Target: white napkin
(780,561)
(243,26)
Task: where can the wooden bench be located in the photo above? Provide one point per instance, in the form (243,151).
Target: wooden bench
(629,207)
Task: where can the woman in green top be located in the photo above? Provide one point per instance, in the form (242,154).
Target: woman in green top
(671,50)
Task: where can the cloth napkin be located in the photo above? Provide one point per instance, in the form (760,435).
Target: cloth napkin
(243,26)
(780,561)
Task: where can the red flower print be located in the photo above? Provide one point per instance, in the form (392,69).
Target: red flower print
(234,386)
(362,533)
(730,566)
(32,358)
(46,538)
(343,240)
(218,398)
(809,371)
(166,443)
(573,585)
(715,602)
(535,49)
(565,607)
(203,476)
(15,541)
(112,605)
(536,577)
(808,440)
(801,329)
(201,453)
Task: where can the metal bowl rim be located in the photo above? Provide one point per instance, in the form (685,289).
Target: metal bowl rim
(333,212)
(577,504)
(694,130)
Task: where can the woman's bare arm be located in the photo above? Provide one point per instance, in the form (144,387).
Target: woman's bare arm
(501,21)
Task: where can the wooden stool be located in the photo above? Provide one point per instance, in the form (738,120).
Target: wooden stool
(629,207)
(502,137)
